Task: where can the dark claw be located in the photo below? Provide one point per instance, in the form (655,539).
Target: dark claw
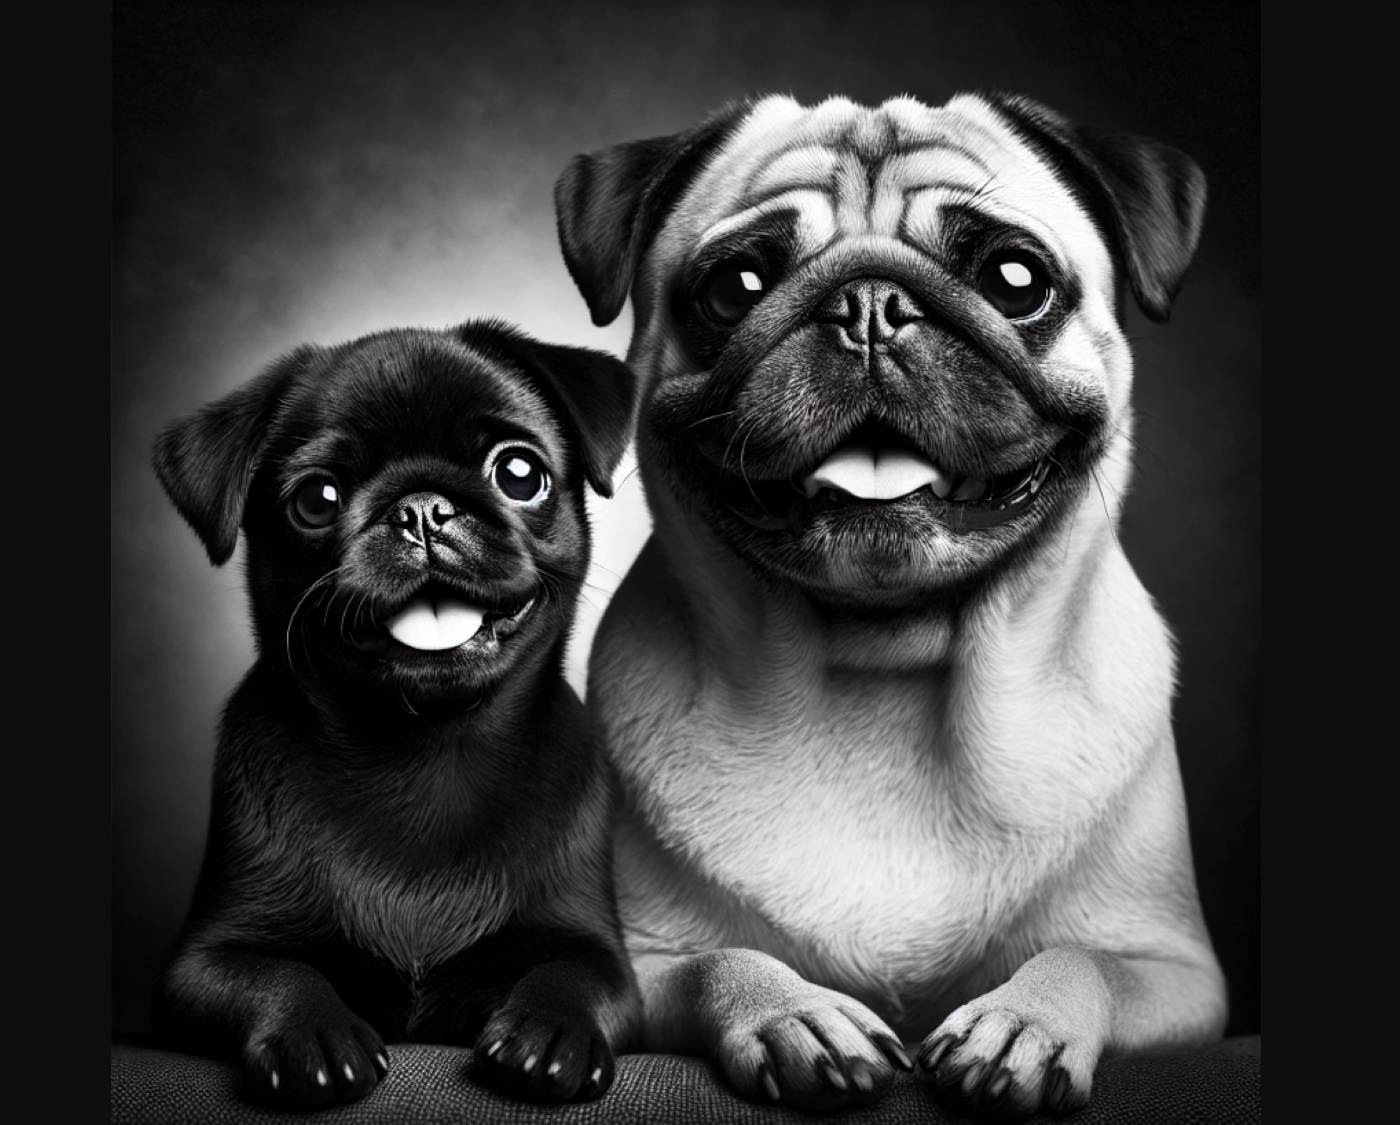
(933,1053)
(770,1084)
(997,1088)
(860,1075)
(973,1078)
(1057,1090)
(894,1051)
(833,1075)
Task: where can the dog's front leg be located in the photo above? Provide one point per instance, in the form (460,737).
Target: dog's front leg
(776,1036)
(1035,1041)
(572,1008)
(297,1042)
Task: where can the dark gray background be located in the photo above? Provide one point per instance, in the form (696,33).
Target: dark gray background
(311,171)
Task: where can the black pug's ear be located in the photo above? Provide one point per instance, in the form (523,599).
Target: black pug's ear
(1152,196)
(206,461)
(609,205)
(597,393)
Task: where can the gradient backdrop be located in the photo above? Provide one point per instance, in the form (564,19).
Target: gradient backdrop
(314,171)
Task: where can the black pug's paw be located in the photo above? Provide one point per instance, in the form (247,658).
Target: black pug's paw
(544,1056)
(314,1058)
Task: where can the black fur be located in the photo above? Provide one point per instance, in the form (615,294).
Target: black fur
(404,844)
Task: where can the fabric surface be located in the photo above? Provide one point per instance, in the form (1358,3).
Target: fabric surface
(434,1084)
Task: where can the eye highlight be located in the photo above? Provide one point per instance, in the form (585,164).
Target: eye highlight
(1015,284)
(316,503)
(731,290)
(519,475)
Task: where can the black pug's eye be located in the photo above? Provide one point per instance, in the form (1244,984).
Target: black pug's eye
(731,291)
(520,476)
(1016,284)
(316,503)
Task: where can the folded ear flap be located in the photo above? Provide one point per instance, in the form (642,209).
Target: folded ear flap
(1151,196)
(597,393)
(609,205)
(206,461)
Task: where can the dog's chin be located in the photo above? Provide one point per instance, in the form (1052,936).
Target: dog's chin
(884,551)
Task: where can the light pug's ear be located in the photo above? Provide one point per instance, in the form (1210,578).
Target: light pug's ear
(1150,196)
(609,205)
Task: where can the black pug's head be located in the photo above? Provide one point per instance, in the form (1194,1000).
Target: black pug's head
(412,503)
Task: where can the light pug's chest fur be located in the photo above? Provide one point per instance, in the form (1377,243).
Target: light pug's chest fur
(887,699)
(897,834)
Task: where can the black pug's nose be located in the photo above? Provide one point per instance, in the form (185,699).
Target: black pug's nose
(421,514)
(869,311)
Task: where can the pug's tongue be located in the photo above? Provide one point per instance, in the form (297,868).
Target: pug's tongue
(886,474)
(433,624)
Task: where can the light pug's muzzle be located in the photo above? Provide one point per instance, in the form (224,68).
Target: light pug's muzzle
(883,349)
(889,705)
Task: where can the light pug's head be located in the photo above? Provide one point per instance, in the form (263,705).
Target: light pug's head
(881,348)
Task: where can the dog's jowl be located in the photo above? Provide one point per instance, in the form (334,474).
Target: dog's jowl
(410,834)
(891,709)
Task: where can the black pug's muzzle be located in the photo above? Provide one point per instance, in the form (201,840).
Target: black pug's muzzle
(437,587)
(870,418)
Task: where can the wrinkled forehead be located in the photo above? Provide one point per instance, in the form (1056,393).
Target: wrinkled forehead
(845,170)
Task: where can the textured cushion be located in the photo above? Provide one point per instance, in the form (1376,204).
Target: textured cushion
(431,1084)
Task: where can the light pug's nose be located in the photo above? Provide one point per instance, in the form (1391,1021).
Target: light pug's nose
(869,311)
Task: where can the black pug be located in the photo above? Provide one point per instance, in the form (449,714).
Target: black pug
(410,837)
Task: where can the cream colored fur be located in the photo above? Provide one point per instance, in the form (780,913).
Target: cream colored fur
(973,825)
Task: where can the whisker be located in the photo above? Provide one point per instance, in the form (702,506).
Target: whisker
(1146,449)
(743,446)
(708,418)
(291,621)
(1104,500)
(341,632)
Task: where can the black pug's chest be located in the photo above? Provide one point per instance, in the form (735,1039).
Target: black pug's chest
(419,955)
(416,920)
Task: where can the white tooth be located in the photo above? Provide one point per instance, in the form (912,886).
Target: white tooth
(898,472)
(432,628)
(970,489)
(850,469)
(942,486)
(457,622)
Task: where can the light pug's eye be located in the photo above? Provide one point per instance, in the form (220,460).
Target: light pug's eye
(733,288)
(1016,285)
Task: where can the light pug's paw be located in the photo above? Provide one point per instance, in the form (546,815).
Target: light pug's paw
(779,1038)
(1027,1046)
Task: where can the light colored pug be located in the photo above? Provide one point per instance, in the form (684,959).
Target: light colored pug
(891,709)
